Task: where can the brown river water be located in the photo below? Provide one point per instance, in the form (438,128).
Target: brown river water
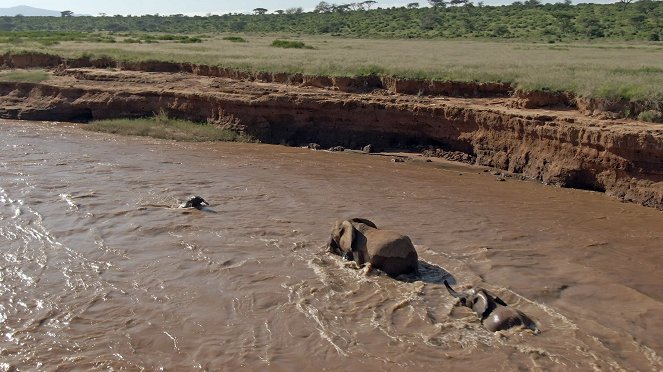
(99,271)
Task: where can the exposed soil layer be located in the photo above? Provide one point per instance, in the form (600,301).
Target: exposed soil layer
(564,147)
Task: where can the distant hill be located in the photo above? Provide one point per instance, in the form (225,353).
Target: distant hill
(28,11)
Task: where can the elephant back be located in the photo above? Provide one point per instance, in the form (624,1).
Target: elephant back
(388,243)
(391,252)
(504,317)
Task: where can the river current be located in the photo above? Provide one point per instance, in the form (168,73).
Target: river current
(100,270)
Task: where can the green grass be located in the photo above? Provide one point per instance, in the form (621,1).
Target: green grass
(24,76)
(161,126)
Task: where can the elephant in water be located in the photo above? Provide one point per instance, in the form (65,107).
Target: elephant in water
(495,314)
(359,240)
(195,202)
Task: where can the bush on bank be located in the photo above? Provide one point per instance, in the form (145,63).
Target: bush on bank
(164,127)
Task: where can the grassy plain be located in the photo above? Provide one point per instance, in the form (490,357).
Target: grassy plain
(624,70)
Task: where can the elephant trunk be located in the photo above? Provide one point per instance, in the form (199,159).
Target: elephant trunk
(451,290)
(331,245)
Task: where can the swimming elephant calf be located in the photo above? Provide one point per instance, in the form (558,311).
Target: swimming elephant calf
(195,202)
(359,240)
(495,314)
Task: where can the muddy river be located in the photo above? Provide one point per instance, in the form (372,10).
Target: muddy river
(98,271)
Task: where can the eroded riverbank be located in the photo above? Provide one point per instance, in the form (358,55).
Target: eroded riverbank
(622,158)
(98,272)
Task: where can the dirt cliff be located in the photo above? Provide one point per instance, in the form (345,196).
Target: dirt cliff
(623,158)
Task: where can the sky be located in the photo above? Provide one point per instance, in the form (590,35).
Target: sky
(200,7)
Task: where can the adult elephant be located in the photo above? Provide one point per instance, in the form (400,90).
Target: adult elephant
(359,240)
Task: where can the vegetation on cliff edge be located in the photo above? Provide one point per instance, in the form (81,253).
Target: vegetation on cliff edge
(164,127)
(629,71)
(24,76)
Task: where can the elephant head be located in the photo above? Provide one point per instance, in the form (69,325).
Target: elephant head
(343,236)
(479,300)
(494,313)
(359,240)
(195,202)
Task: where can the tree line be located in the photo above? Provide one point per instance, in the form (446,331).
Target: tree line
(528,19)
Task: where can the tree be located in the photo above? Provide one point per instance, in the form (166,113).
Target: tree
(280,11)
(298,10)
(430,21)
(590,26)
(646,6)
(368,4)
(238,25)
(66,13)
(458,2)
(412,5)
(259,11)
(438,3)
(637,21)
(532,3)
(323,7)
(116,27)
(6,24)
(500,30)
(565,22)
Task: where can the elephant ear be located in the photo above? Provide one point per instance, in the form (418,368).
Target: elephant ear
(494,298)
(347,236)
(364,221)
(499,301)
(481,303)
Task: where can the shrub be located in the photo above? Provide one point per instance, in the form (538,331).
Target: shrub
(190,40)
(162,126)
(235,39)
(290,44)
(651,116)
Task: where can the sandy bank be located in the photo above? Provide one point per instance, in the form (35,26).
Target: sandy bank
(559,146)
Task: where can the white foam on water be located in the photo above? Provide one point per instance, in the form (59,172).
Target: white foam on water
(69,200)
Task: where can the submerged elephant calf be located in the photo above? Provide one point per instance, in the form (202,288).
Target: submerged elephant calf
(495,314)
(359,240)
(195,202)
